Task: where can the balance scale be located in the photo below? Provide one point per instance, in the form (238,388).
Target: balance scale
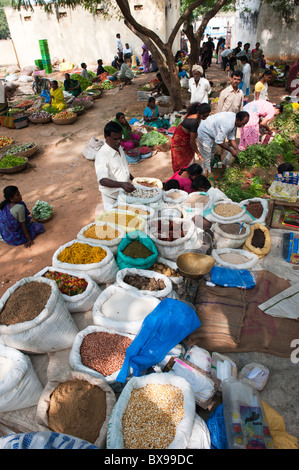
(193,266)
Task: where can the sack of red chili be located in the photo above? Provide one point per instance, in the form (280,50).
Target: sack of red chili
(78,290)
(100,352)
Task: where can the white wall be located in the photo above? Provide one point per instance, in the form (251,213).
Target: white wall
(81,36)
(7,53)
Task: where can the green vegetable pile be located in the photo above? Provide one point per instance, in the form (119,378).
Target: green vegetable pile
(42,210)
(84,82)
(152,138)
(51,110)
(109,69)
(106,85)
(287,122)
(266,155)
(238,185)
(10,161)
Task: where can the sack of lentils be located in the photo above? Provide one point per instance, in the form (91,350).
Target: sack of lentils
(102,233)
(78,405)
(95,260)
(231,235)
(19,385)
(165,402)
(99,352)
(34,317)
(78,290)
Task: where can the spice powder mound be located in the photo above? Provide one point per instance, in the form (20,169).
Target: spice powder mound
(152,416)
(104,352)
(25,303)
(77,408)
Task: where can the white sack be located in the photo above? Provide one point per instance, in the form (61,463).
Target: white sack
(92,147)
(81,302)
(75,356)
(160,294)
(44,401)
(200,436)
(19,385)
(130,199)
(133,308)
(177,281)
(103,272)
(133,208)
(52,330)
(172,249)
(229,240)
(111,244)
(264,202)
(181,196)
(251,263)
(185,426)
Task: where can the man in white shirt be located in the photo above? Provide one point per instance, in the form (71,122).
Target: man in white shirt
(119,46)
(127,52)
(199,87)
(111,166)
(214,130)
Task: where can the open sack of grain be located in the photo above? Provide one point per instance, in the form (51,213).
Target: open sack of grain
(136,250)
(122,310)
(20,387)
(146,212)
(34,317)
(78,290)
(234,258)
(197,202)
(126,221)
(148,182)
(258,208)
(79,405)
(99,352)
(95,260)
(166,402)
(145,282)
(102,233)
(227,211)
(168,268)
(174,196)
(174,236)
(231,235)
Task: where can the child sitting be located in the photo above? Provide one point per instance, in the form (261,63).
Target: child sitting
(185,176)
(201,183)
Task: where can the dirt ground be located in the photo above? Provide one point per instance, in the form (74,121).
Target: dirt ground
(59,174)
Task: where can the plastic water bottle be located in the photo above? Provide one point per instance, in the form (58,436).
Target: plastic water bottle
(245,420)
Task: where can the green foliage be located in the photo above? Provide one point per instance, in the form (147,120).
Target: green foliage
(84,82)
(232,184)
(266,155)
(4,29)
(287,122)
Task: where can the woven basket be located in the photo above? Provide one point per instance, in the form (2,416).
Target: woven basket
(79,113)
(15,169)
(28,153)
(64,121)
(40,120)
(42,221)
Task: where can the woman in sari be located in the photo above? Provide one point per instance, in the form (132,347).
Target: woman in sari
(145,59)
(260,113)
(151,115)
(130,139)
(184,140)
(185,177)
(57,98)
(16,227)
(72,86)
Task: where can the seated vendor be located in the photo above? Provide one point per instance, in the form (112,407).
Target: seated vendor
(40,84)
(151,115)
(126,74)
(72,86)
(16,227)
(186,176)
(84,71)
(6,92)
(101,73)
(130,139)
(161,87)
(57,98)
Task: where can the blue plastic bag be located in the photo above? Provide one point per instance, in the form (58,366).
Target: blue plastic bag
(168,324)
(228,277)
(216,426)
(46,94)
(124,261)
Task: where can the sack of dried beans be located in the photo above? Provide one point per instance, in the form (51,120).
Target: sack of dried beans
(146,282)
(95,260)
(20,387)
(99,352)
(78,290)
(34,317)
(78,405)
